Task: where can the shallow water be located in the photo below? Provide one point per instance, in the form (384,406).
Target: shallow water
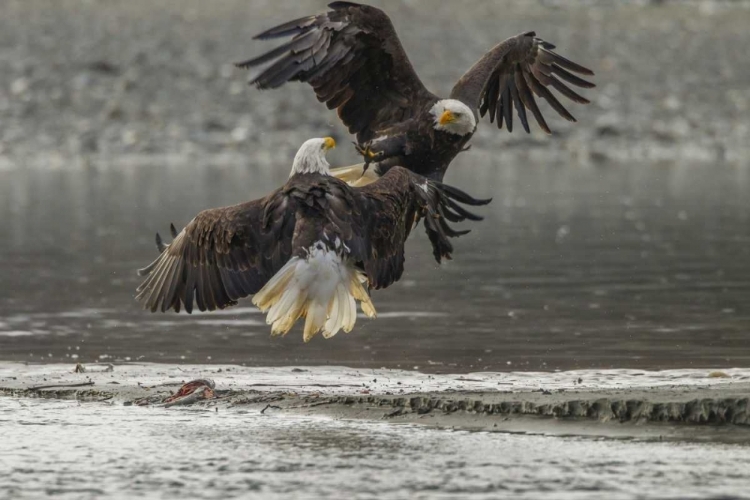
(619,241)
(73,450)
(644,266)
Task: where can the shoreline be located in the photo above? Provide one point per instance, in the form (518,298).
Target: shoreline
(694,405)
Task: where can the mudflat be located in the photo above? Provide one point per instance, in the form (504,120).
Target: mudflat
(672,404)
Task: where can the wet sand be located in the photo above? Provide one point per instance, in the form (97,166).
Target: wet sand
(673,404)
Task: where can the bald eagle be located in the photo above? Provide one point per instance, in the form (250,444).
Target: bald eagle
(354,61)
(311,249)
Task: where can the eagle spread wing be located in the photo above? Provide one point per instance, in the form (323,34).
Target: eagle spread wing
(223,254)
(385,213)
(388,210)
(512,73)
(228,253)
(354,61)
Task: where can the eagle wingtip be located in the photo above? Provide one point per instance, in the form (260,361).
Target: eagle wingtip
(479,202)
(160,246)
(266,35)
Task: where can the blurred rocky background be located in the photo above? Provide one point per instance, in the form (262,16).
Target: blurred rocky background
(91,81)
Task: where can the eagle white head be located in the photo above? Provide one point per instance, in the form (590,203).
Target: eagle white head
(311,157)
(454,117)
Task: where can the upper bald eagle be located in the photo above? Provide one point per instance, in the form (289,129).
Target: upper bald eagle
(309,249)
(354,61)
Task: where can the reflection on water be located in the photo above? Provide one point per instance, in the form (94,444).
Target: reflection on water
(92,450)
(644,266)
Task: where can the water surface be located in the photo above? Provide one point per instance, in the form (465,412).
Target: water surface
(72,450)
(619,241)
(628,266)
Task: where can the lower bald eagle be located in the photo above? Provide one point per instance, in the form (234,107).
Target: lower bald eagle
(311,248)
(354,61)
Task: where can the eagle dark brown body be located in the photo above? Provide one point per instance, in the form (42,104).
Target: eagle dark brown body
(224,254)
(417,146)
(354,61)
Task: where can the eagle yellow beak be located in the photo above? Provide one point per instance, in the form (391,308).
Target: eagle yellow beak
(447,117)
(329,143)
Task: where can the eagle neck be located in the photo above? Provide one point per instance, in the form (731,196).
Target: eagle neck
(310,164)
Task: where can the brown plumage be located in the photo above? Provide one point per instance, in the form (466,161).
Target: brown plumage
(512,73)
(354,61)
(228,253)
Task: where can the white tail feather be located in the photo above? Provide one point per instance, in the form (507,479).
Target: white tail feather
(355,175)
(323,288)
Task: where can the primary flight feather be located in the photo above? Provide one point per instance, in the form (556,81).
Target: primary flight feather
(354,61)
(311,249)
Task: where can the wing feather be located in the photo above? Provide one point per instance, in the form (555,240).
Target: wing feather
(353,59)
(515,70)
(220,256)
(289,28)
(527,98)
(507,112)
(570,77)
(385,213)
(516,98)
(545,94)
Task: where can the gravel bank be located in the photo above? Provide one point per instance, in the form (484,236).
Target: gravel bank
(86,83)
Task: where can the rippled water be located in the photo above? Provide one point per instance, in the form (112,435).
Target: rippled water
(73,450)
(622,240)
(642,266)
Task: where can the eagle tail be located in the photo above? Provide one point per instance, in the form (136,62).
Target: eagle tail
(322,287)
(356,175)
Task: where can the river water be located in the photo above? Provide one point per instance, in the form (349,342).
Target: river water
(620,241)
(628,266)
(70,450)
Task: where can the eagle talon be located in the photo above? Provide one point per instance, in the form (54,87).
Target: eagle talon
(369,155)
(392,109)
